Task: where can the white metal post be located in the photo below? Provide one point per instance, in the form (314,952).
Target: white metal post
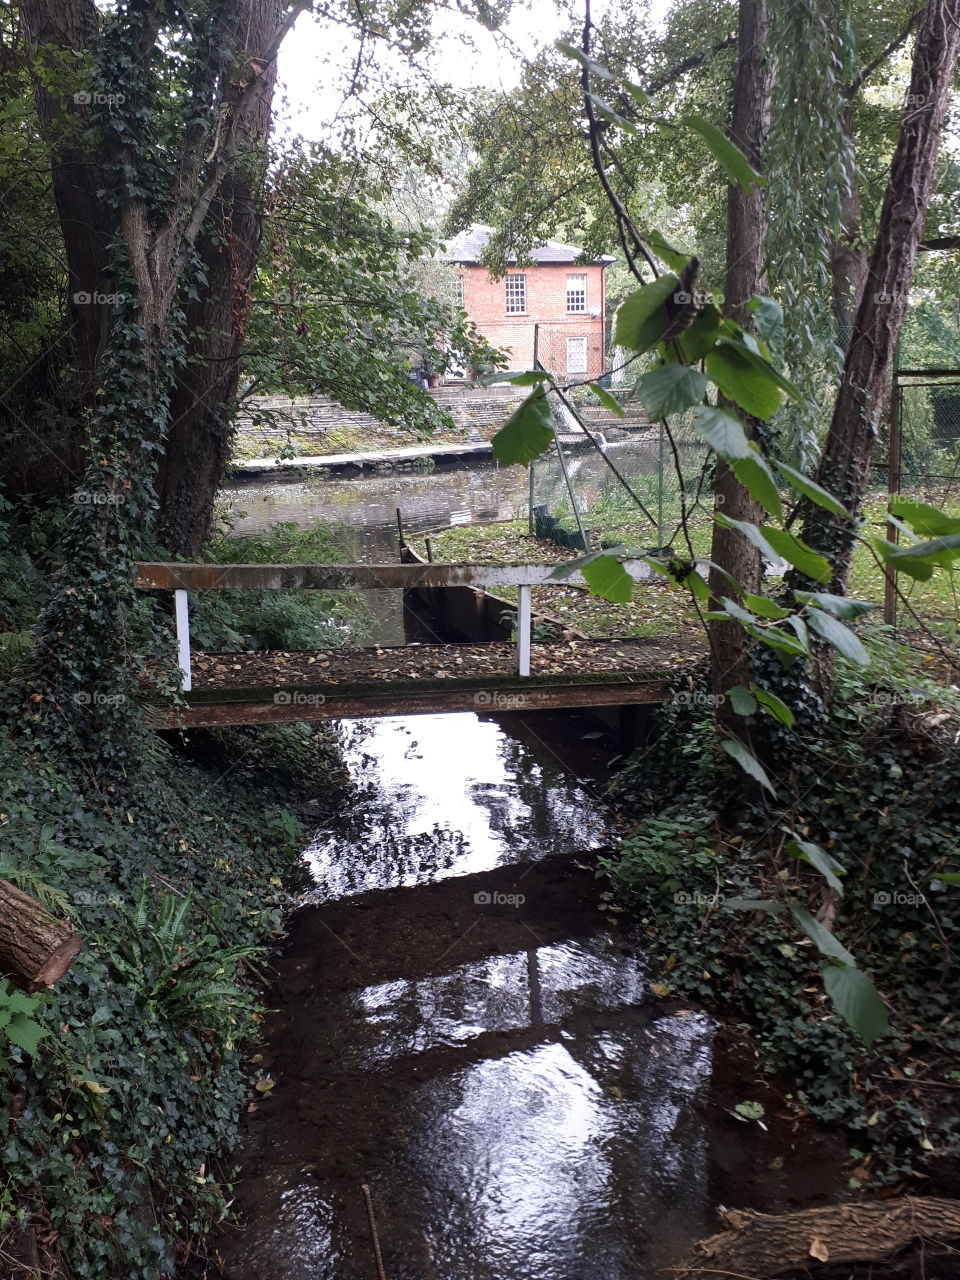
(523,631)
(182,614)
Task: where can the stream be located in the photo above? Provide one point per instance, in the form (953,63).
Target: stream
(460,1027)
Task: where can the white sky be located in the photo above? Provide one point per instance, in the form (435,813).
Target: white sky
(317,58)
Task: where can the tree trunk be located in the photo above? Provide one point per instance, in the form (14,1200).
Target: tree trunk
(763,1246)
(198,444)
(845,466)
(848,260)
(746,223)
(35,949)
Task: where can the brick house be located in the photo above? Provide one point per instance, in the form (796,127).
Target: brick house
(554,308)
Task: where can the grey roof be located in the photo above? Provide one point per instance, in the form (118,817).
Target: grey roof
(469,244)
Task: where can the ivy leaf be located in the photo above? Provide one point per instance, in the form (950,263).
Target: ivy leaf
(822,938)
(671,388)
(729,156)
(856,1000)
(841,637)
(606,399)
(757,478)
(607,578)
(773,706)
(641,320)
(747,761)
(741,382)
(24,1033)
(722,432)
(789,547)
(827,865)
(810,489)
(527,433)
(742,700)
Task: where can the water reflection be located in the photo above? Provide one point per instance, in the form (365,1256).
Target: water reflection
(444,795)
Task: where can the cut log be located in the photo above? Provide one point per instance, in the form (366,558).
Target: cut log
(764,1246)
(35,948)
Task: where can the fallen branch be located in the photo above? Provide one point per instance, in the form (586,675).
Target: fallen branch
(36,949)
(764,1246)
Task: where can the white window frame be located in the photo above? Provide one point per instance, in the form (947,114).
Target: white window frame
(516,294)
(458,289)
(577,292)
(578,364)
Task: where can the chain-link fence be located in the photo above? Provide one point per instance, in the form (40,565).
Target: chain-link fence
(919,454)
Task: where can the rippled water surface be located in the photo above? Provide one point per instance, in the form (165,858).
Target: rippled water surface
(459,1028)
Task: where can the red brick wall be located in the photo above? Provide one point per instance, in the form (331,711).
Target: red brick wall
(485,302)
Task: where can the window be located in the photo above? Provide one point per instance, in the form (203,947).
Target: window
(576,355)
(516,294)
(577,293)
(458,289)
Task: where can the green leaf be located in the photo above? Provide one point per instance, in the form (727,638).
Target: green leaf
(748,348)
(671,388)
(939,551)
(763,606)
(733,609)
(742,700)
(789,547)
(757,478)
(638,95)
(578,55)
(924,519)
(24,1033)
(527,433)
(827,865)
(839,606)
(606,577)
(641,320)
(921,570)
(752,534)
(841,637)
(810,489)
(747,761)
(947,877)
(606,399)
(20,1002)
(673,257)
(528,378)
(740,381)
(729,156)
(606,112)
(856,1000)
(722,432)
(823,939)
(773,706)
(768,319)
(696,341)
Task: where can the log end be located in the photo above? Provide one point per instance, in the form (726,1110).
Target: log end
(56,964)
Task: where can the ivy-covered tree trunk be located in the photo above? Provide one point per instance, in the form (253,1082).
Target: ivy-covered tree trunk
(848,260)
(158,199)
(746,225)
(845,465)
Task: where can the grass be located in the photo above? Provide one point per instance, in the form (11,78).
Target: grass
(660,610)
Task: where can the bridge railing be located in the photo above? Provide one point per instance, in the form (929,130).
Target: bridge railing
(181,578)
